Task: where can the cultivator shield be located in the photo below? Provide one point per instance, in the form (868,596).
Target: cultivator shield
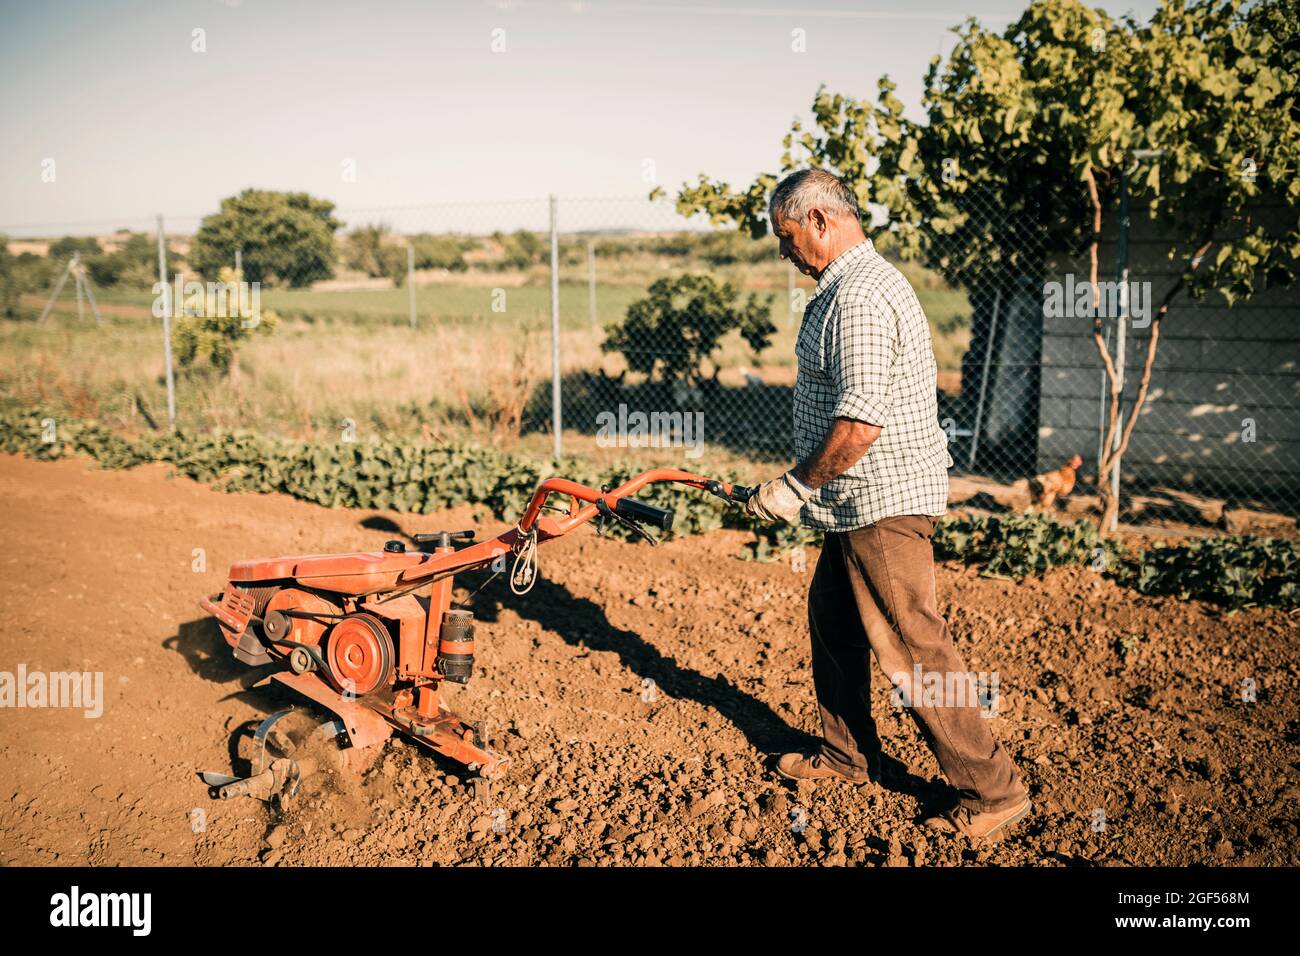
(354,634)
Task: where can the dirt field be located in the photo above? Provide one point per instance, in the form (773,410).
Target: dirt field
(1109,701)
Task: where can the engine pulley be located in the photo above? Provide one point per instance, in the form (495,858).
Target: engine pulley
(359,652)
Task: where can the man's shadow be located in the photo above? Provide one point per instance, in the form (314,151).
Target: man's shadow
(557,610)
(581,622)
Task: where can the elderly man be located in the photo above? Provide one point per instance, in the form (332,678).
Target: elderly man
(873,474)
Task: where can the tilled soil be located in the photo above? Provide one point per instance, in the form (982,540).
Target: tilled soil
(642,695)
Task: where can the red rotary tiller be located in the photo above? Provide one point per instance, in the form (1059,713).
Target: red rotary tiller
(357,639)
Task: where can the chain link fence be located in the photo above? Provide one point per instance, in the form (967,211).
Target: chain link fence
(652,337)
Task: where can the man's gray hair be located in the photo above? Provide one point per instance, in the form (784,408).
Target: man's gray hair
(807,189)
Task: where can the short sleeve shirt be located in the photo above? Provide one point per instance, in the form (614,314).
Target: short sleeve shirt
(864,352)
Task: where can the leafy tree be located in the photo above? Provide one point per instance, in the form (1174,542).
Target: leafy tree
(676,328)
(439,252)
(106,269)
(208,328)
(134,263)
(9,288)
(282,237)
(1038,122)
(378,252)
(65,247)
(374,250)
(522,248)
(22,274)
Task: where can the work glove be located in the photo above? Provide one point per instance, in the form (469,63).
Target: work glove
(780,499)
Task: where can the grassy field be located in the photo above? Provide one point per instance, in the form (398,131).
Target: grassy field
(343,356)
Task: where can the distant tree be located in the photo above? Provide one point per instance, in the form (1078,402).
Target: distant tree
(22,274)
(65,247)
(282,238)
(134,263)
(439,252)
(522,248)
(730,247)
(106,269)
(9,287)
(374,250)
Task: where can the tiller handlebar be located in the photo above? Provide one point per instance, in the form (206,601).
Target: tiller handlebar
(534,527)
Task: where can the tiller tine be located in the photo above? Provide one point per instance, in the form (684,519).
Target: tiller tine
(272,777)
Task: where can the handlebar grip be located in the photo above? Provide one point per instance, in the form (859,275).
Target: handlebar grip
(435,535)
(742,493)
(635,510)
(739,494)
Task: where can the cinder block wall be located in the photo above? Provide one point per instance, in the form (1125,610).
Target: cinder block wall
(1216,366)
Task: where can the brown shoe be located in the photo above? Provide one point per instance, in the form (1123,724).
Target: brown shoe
(798,766)
(978,826)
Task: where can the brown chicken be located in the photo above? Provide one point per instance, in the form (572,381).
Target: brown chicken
(1045,489)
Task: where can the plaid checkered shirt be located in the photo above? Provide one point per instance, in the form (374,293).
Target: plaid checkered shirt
(864,353)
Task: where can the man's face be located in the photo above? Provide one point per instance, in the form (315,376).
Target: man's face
(806,245)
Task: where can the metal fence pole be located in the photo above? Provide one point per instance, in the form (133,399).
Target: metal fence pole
(555,330)
(58,287)
(88,286)
(410,279)
(167,325)
(1121,327)
(1102,398)
(1120,359)
(984,382)
(591,282)
(76,274)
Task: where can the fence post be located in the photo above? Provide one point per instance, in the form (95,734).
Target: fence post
(984,381)
(555,330)
(410,279)
(239,262)
(167,325)
(76,274)
(1102,400)
(84,281)
(1121,327)
(58,287)
(591,282)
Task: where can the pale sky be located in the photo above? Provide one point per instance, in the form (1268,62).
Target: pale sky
(582,96)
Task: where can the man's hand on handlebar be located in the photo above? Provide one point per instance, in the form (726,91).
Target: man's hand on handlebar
(780,499)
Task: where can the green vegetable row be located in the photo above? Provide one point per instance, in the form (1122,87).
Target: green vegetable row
(1236,571)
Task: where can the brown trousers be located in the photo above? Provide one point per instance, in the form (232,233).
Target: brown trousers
(874,591)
